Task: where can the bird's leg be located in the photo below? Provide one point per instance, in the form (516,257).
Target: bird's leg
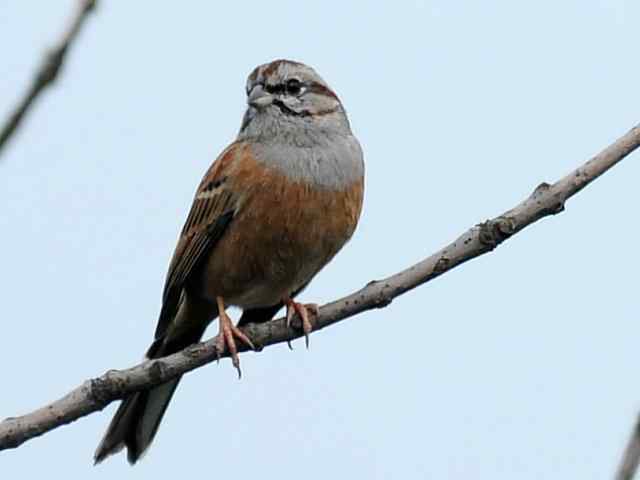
(303,311)
(226,333)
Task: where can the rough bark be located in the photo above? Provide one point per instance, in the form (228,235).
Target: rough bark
(95,394)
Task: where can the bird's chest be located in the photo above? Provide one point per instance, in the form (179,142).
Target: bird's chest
(282,235)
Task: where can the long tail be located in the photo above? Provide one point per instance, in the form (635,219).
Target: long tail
(137,420)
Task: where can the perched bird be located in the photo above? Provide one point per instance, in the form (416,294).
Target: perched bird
(269,214)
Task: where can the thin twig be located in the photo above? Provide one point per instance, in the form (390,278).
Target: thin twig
(631,456)
(48,70)
(95,394)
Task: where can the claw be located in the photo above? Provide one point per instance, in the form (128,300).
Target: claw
(227,334)
(303,312)
(290,313)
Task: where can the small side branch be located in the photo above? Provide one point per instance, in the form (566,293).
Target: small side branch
(48,70)
(631,457)
(95,394)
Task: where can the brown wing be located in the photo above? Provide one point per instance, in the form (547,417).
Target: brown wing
(211,214)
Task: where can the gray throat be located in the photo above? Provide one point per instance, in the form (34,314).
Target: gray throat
(318,150)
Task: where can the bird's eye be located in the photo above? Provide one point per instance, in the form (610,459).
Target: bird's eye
(294,86)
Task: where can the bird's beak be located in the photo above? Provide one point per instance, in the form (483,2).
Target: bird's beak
(259,98)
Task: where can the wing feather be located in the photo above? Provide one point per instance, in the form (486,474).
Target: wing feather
(211,214)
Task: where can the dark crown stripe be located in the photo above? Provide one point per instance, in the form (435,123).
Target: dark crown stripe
(273,66)
(320,89)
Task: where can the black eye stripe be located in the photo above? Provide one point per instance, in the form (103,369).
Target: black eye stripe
(294,86)
(277,88)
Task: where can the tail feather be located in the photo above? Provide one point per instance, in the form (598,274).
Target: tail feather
(136,421)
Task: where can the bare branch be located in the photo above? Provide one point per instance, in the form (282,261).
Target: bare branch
(48,70)
(95,394)
(631,457)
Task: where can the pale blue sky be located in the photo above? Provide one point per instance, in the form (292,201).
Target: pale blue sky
(521,364)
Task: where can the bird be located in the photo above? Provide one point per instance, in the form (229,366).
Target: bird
(272,210)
